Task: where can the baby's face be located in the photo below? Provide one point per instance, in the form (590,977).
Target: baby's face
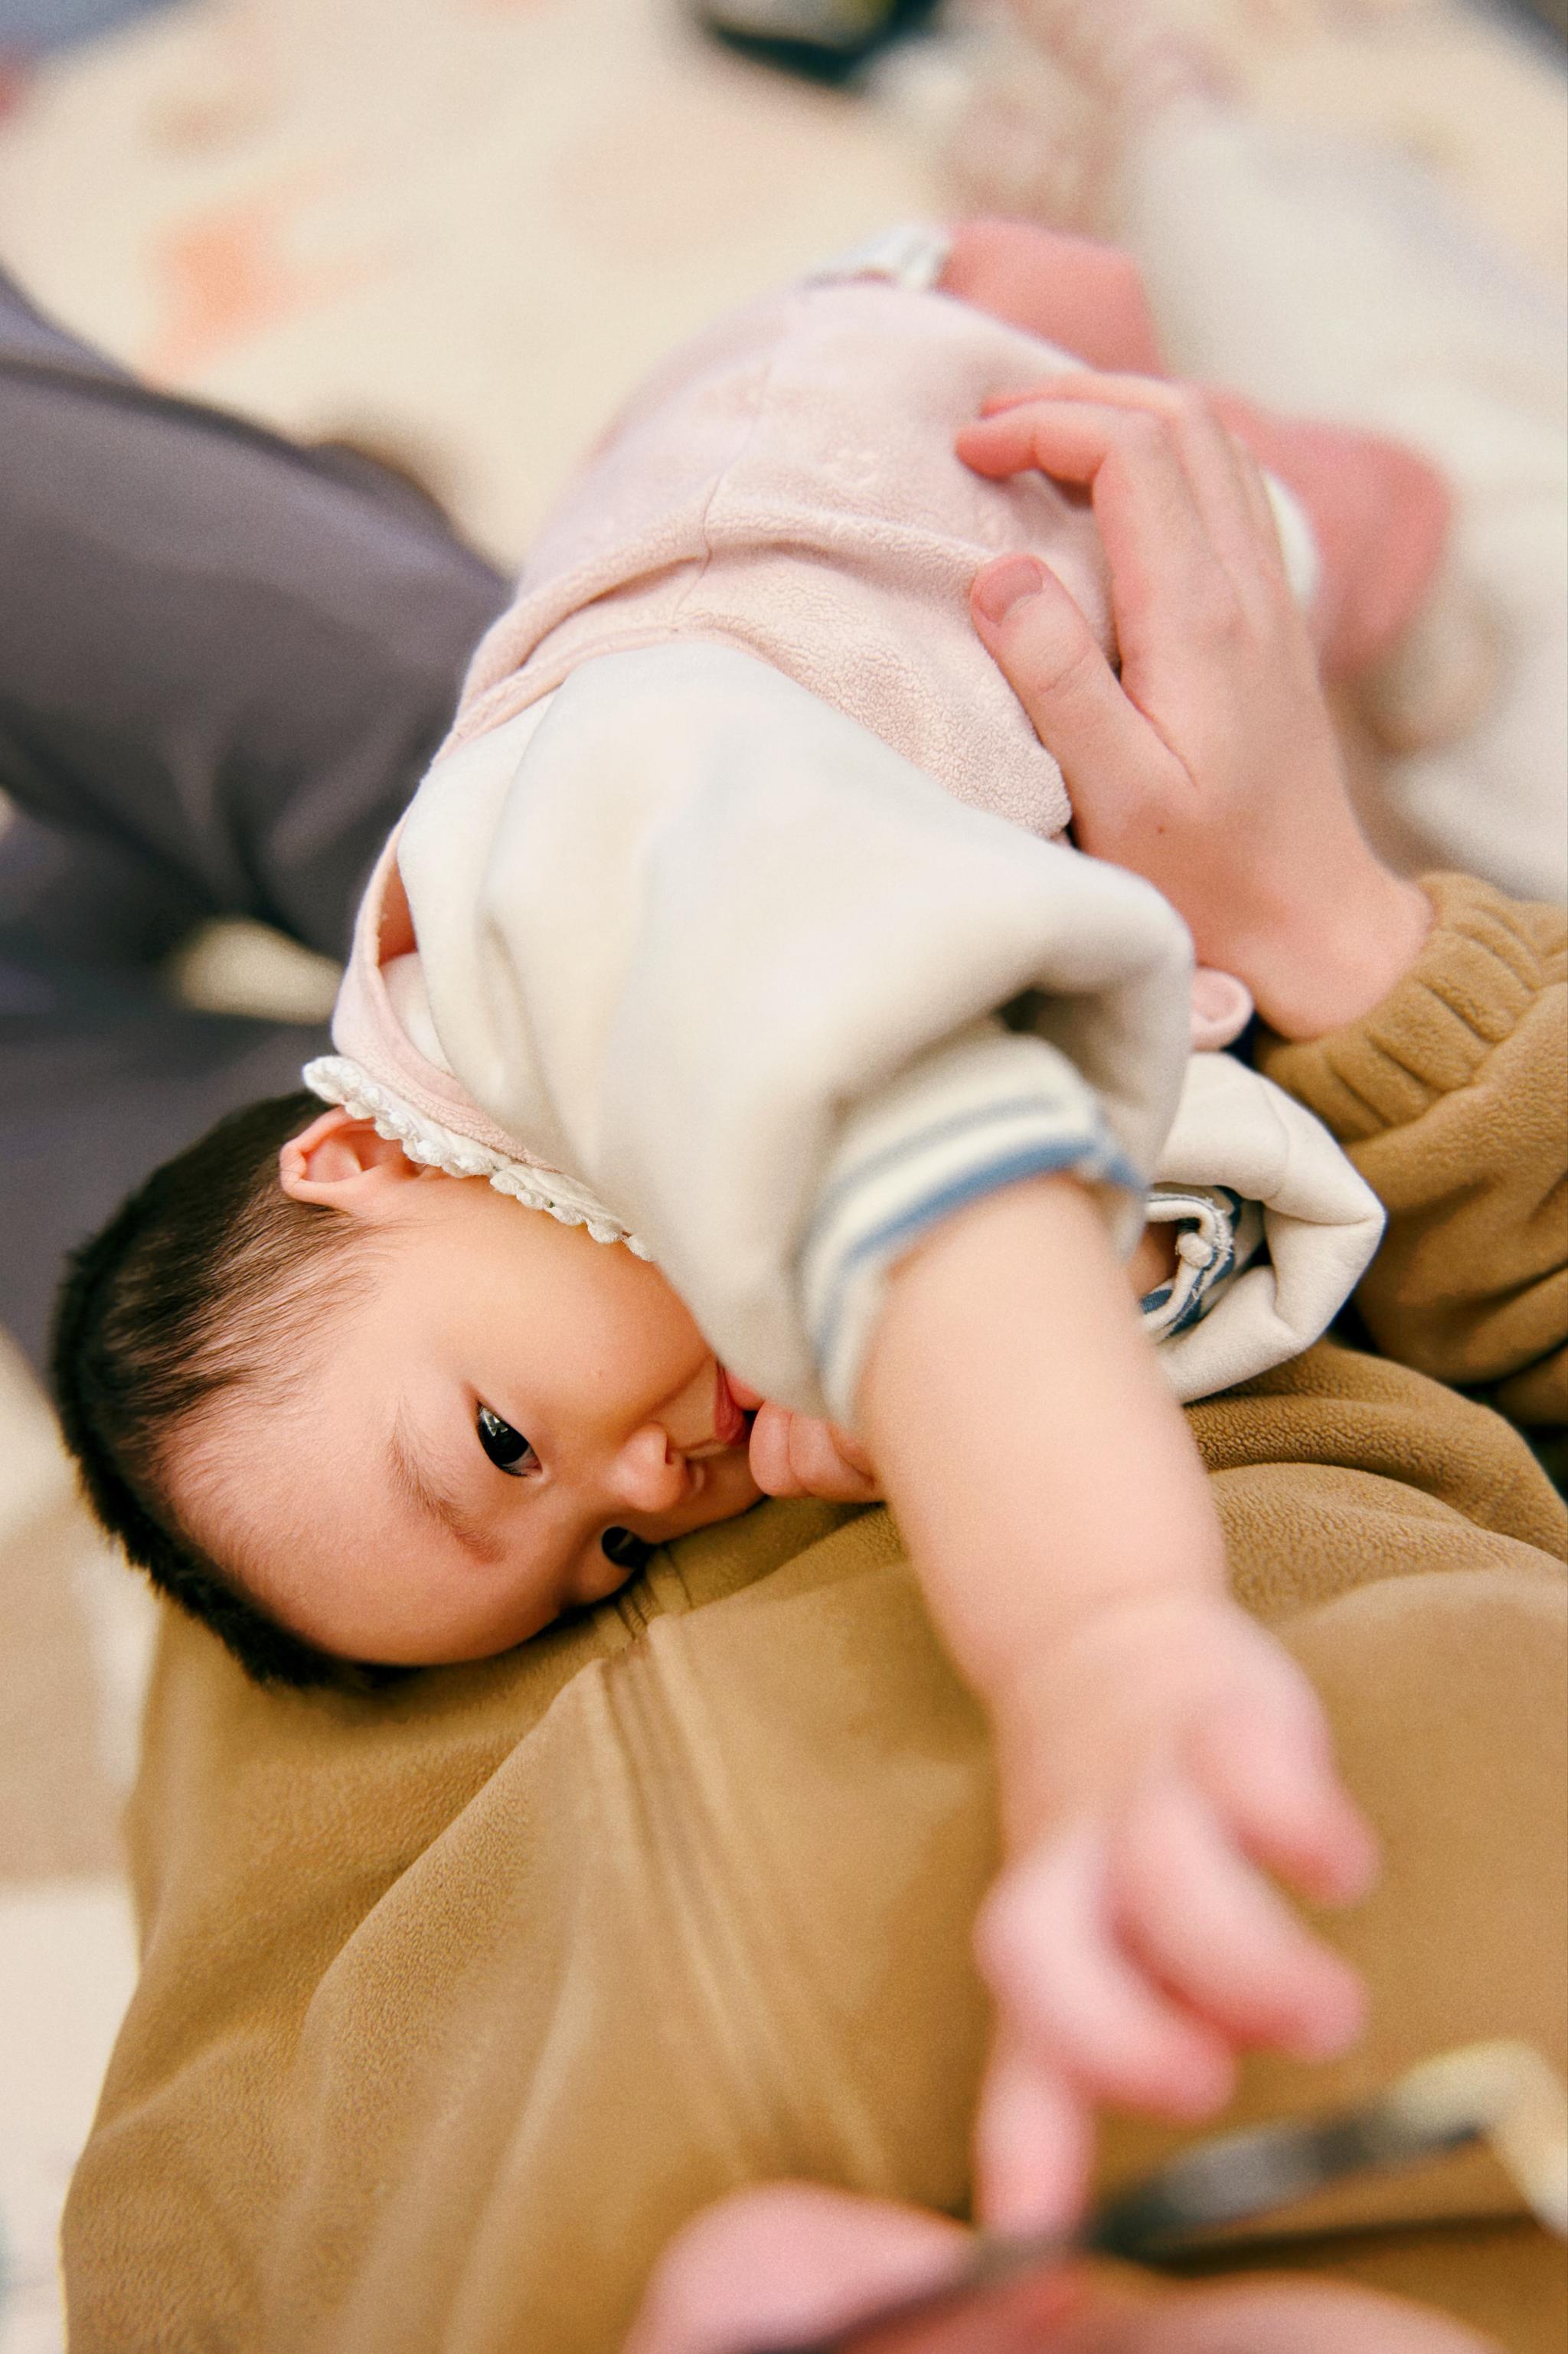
(489,1393)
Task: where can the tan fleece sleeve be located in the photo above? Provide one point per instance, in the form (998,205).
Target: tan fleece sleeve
(1451,1098)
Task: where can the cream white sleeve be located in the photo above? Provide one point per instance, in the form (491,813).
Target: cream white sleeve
(1321,1224)
(716,950)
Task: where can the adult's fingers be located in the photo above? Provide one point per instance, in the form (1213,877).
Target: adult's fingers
(1073,441)
(1215,463)
(1049,1952)
(1047,652)
(1259,505)
(1210,1927)
(1170,591)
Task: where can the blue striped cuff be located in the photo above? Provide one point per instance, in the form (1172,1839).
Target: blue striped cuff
(874,1210)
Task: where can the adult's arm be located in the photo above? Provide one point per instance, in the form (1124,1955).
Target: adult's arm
(1451,1096)
(223,662)
(223,654)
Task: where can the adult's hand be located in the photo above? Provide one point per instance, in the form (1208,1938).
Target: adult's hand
(789,2261)
(1210,766)
(792,2260)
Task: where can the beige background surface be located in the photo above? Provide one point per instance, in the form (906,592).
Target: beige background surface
(463,228)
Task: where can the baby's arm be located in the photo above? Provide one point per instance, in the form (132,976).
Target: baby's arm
(1155,1745)
(1166,1743)
(1157,1751)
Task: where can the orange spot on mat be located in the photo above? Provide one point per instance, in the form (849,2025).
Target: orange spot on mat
(226,275)
(14,81)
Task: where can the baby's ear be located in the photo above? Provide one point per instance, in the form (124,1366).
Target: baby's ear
(1222,1007)
(340,1162)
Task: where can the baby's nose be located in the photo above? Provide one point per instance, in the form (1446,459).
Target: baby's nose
(650,1473)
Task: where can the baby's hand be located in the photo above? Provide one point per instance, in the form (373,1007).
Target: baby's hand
(799,1455)
(1211,764)
(1135,1945)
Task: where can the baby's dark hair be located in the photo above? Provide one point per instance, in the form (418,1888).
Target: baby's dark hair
(198,1284)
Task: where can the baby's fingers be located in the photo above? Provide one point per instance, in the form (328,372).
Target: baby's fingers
(828,1463)
(1209,1926)
(1273,1775)
(796,1455)
(1033,2145)
(769,1452)
(1070,1996)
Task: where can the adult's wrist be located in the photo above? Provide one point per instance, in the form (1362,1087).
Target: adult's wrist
(1333,962)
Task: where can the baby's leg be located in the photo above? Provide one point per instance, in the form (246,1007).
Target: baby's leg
(1085,297)
(1379,517)
(1345,280)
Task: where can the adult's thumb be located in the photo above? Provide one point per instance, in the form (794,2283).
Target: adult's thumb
(1051,659)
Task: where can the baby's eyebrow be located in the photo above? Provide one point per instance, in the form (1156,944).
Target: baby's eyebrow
(427,1495)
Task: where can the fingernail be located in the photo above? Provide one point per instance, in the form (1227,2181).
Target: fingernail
(625,1550)
(1003,584)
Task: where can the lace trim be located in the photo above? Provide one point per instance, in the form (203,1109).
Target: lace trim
(911,253)
(338,1080)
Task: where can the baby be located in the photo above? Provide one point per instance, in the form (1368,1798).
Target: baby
(731,932)
(469,1340)
(400,1547)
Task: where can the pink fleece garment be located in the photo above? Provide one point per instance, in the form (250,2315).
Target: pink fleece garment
(787,484)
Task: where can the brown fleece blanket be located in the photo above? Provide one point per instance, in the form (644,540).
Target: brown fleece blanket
(456,2002)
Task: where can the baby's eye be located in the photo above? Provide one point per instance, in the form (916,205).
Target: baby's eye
(508,1449)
